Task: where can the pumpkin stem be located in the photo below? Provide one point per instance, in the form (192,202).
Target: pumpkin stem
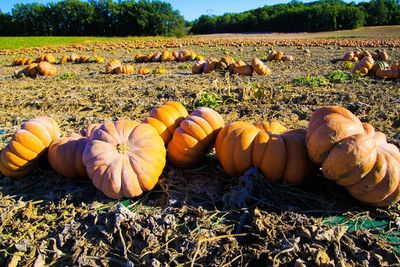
(123,148)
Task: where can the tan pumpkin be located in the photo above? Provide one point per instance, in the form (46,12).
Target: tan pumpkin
(244,70)
(124,158)
(241,145)
(271,55)
(348,56)
(236,64)
(166,118)
(286,58)
(46,69)
(124,69)
(112,66)
(194,137)
(198,67)
(27,145)
(65,156)
(156,57)
(210,65)
(50,58)
(364,66)
(74,58)
(355,156)
(259,67)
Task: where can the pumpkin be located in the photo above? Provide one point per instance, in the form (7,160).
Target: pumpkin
(124,69)
(364,66)
(210,65)
(50,58)
(355,156)
(241,145)
(156,57)
(64,59)
(143,71)
(287,58)
(388,73)
(148,57)
(198,67)
(271,55)
(83,59)
(166,118)
(245,70)
(99,59)
(348,56)
(279,55)
(27,145)
(198,58)
(175,55)
(46,69)
(74,58)
(395,66)
(259,67)
(124,158)
(194,137)
(139,58)
(166,56)
(271,127)
(65,156)
(184,55)
(112,66)
(379,65)
(160,71)
(225,62)
(236,64)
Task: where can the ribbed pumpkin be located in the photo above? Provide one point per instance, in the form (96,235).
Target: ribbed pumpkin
(241,145)
(210,65)
(194,137)
(139,58)
(379,65)
(166,118)
(355,156)
(198,67)
(65,156)
(364,66)
(225,62)
(124,158)
(46,69)
(124,69)
(166,56)
(144,71)
(259,67)
(244,70)
(388,73)
(112,66)
(148,57)
(17,159)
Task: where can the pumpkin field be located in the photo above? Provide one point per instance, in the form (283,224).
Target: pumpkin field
(200,205)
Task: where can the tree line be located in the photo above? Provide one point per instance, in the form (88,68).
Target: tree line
(92,18)
(324,15)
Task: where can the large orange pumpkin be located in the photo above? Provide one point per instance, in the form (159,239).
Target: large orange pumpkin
(27,145)
(278,154)
(124,158)
(166,118)
(355,156)
(194,137)
(65,156)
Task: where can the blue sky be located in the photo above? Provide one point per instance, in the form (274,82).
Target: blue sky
(190,9)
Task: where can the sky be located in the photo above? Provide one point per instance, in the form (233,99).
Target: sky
(190,9)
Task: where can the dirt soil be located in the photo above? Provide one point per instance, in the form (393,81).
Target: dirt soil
(195,217)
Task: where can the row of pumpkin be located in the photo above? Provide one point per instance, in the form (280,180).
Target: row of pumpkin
(124,158)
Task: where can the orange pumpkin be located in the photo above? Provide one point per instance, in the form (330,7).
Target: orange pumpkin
(166,118)
(65,156)
(355,156)
(241,145)
(364,66)
(225,62)
(124,69)
(194,137)
(46,69)
(144,71)
(27,145)
(124,158)
(210,65)
(112,66)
